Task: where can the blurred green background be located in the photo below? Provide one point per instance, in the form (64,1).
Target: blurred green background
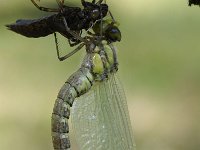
(159,67)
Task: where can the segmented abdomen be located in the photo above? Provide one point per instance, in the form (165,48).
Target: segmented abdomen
(79,83)
(33,28)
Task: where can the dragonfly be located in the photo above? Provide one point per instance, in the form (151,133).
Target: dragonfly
(99,112)
(76,20)
(94,86)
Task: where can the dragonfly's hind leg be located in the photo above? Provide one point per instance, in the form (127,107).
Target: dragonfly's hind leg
(70,53)
(44,8)
(74,43)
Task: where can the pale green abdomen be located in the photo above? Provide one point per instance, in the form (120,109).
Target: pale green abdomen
(96,67)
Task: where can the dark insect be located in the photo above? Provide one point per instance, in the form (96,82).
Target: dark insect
(68,21)
(194,2)
(106,30)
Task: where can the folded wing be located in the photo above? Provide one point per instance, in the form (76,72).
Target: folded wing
(100,118)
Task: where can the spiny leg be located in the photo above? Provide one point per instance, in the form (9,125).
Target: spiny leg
(70,53)
(44,8)
(73,44)
(57,49)
(74,34)
(113,19)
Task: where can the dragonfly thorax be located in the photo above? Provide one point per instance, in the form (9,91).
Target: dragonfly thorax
(101,60)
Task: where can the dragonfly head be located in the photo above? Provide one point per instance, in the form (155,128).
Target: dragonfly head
(113,33)
(94,11)
(109,30)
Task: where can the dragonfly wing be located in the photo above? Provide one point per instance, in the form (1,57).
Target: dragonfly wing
(100,118)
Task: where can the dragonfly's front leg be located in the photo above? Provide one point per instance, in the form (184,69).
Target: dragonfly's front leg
(78,84)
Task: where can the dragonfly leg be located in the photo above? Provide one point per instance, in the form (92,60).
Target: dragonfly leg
(74,34)
(99,2)
(73,44)
(62,2)
(111,15)
(44,8)
(114,56)
(70,53)
(90,33)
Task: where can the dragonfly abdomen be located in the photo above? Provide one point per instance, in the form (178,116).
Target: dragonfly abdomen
(34,28)
(78,84)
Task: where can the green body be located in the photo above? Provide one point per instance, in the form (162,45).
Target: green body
(97,65)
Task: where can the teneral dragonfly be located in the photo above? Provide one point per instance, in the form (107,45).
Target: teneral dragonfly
(100,113)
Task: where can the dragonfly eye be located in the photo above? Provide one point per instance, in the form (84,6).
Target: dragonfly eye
(113,33)
(95,13)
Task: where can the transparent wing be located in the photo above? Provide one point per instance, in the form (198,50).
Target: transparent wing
(100,118)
